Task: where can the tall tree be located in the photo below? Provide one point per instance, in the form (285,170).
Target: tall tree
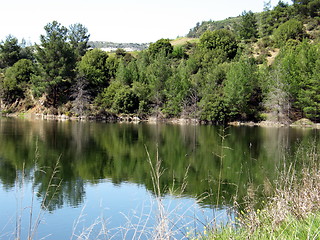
(264,16)
(79,38)
(248,28)
(277,99)
(56,59)
(300,66)
(93,66)
(307,8)
(10,52)
(158,72)
(241,90)
(272,19)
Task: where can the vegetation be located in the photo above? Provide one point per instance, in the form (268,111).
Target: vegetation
(293,212)
(226,75)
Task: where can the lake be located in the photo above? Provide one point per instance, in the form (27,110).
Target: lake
(88,180)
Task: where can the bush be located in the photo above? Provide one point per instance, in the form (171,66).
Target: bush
(221,39)
(118,98)
(125,101)
(292,29)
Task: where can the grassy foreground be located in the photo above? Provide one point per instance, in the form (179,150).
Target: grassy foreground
(293,211)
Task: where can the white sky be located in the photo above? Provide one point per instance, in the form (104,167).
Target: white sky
(137,21)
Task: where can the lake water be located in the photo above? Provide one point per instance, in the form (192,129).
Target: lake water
(71,180)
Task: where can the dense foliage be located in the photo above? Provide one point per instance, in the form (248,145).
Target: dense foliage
(228,74)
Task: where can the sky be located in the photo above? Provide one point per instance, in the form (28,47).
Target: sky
(136,21)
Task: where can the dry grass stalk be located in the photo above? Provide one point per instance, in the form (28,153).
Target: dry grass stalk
(297,195)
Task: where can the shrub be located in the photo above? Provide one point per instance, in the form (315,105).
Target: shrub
(292,29)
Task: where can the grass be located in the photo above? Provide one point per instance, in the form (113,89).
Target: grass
(33,215)
(290,228)
(293,212)
(158,220)
(183,41)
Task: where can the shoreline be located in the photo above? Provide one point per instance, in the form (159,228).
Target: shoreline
(302,123)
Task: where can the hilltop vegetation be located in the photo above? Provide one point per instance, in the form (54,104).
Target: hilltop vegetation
(257,67)
(210,25)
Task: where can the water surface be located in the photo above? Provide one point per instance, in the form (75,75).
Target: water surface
(103,175)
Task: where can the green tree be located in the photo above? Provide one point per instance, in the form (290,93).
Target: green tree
(292,29)
(93,66)
(10,52)
(158,72)
(248,28)
(162,45)
(125,100)
(212,107)
(307,8)
(118,98)
(17,79)
(264,16)
(127,73)
(79,37)
(176,91)
(56,60)
(241,90)
(308,66)
(211,104)
(222,39)
(300,66)
(272,19)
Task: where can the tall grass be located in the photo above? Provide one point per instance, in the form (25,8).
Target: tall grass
(29,217)
(158,220)
(293,211)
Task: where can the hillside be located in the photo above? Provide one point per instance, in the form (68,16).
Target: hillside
(200,28)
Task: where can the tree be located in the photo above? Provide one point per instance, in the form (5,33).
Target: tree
(127,73)
(308,66)
(300,67)
(125,101)
(248,26)
(17,79)
(307,8)
(222,39)
(240,89)
(158,72)
(212,105)
(264,16)
(162,45)
(79,38)
(81,96)
(272,19)
(292,29)
(10,52)
(93,66)
(118,98)
(277,100)
(56,59)
(176,91)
